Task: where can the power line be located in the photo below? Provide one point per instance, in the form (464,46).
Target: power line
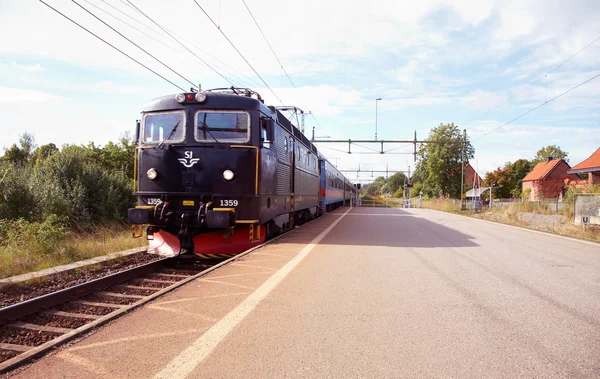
(159,41)
(128,24)
(135,44)
(131,17)
(109,44)
(236,49)
(176,40)
(273,51)
(189,43)
(281,64)
(539,106)
(542,77)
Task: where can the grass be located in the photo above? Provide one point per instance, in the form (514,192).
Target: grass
(510,215)
(27,247)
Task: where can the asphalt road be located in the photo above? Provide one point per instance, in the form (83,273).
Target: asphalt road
(385,293)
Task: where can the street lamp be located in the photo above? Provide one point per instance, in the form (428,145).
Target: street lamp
(376,100)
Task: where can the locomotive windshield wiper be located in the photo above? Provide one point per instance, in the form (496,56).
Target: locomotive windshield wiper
(169,136)
(206,129)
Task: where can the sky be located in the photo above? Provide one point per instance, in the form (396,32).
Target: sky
(477,64)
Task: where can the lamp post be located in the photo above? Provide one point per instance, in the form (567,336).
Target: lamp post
(376,100)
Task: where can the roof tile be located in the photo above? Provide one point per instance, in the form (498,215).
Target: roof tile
(592,162)
(542,169)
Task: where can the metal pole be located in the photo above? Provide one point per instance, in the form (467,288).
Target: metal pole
(376,100)
(462,172)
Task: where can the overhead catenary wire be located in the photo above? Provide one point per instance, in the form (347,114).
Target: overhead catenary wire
(246,79)
(128,24)
(280,64)
(237,50)
(135,44)
(179,51)
(109,44)
(540,78)
(272,50)
(184,46)
(539,106)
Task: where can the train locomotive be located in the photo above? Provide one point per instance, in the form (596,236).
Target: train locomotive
(218,172)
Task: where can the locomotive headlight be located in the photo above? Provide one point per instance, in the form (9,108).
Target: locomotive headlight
(180,97)
(228,175)
(200,96)
(151,174)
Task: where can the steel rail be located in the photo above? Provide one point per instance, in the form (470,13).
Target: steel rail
(37,304)
(37,351)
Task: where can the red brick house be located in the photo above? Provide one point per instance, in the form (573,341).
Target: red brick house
(549,170)
(590,166)
(471,176)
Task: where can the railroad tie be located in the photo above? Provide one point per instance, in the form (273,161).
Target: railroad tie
(96,304)
(71,315)
(41,328)
(13,347)
(120,295)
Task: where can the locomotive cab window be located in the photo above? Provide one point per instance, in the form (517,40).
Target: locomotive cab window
(164,126)
(222,126)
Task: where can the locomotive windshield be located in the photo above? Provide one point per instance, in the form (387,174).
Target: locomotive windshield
(222,126)
(165,126)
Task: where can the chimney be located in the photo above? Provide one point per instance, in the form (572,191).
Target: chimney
(548,159)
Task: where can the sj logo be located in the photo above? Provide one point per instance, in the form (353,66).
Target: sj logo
(188,161)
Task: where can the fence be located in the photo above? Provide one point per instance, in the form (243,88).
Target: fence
(357,202)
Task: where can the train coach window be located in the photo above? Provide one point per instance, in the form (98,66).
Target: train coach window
(286,147)
(222,126)
(164,126)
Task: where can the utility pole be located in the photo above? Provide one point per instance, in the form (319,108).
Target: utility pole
(409,187)
(376,100)
(463,198)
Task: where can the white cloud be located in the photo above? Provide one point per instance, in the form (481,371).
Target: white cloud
(33,68)
(483,100)
(22,95)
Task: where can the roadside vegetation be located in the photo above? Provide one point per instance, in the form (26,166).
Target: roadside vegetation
(63,205)
(437,179)
(534,215)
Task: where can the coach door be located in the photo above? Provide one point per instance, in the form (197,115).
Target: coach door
(293,157)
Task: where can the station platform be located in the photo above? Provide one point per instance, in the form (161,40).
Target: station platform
(366,292)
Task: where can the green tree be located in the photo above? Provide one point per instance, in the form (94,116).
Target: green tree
(19,155)
(394,183)
(440,163)
(518,170)
(43,152)
(549,151)
(373,188)
(501,179)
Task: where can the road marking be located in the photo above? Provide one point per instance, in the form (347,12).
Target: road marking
(237,275)
(182,312)
(244,261)
(226,283)
(272,255)
(241,264)
(159,336)
(183,364)
(86,364)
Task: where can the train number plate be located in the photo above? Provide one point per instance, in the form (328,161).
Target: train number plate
(153,201)
(228,203)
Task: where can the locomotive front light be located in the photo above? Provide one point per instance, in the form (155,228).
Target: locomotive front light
(180,97)
(152,174)
(200,96)
(228,175)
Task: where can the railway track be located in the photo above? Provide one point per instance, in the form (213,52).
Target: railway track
(33,327)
